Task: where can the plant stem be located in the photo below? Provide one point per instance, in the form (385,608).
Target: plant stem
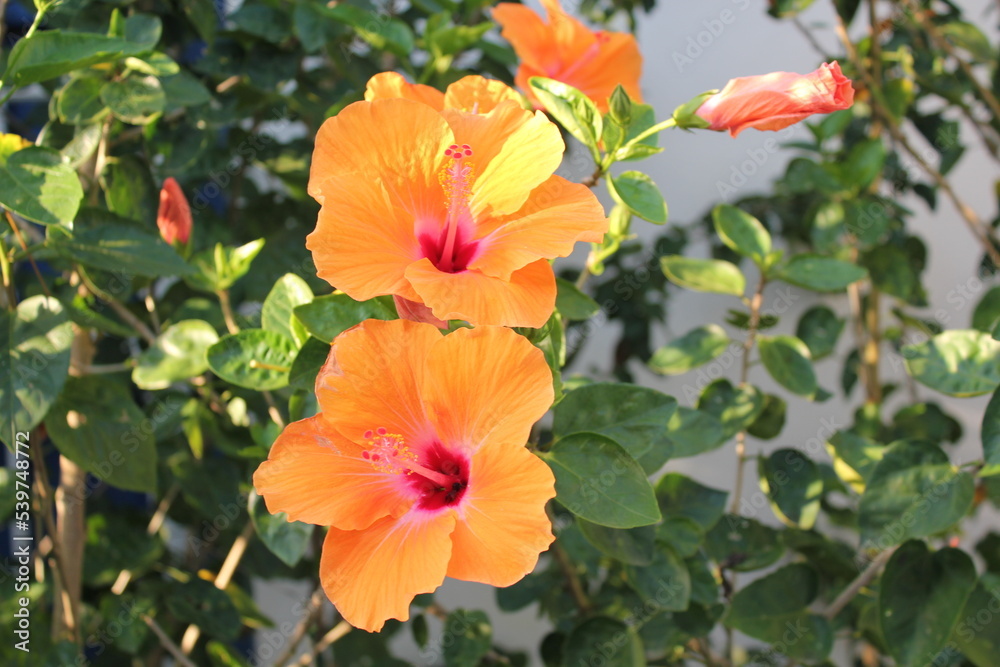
(24,246)
(118,307)
(227,311)
(329,638)
(167,642)
(752,326)
(8,278)
(575,586)
(859,582)
(125,576)
(314,605)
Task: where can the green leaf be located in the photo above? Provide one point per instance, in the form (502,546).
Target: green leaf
(116,542)
(787,359)
(665,580)
(693,432)
(471,638)
(743,544)
(680,496)
(571,109)
(96,424)
(183,90)
(288,540)
(978,641)
(854,458)
(253,358)
(639,193)
(634,417)
(143,30)
(277,315)
(794,485)
(821,274)
(598,481)
(864,164)
(734,407)
(51,53)
(310,359)
(130,191)
(991,436)
(572,303)
(987,311)
(259,20)
(635,546)
(913,492)
(326,317)
(219,267)
(37,184)
(921,598)
(819,328)
(958,363)
(704,275)
(691,350)
(200,603)
(773,607)
(179,353)
(104,241)
(771,419)
(79,101)
(605,641)
(742,232)
(894,271)
(135,99)
(453,39)
(203,16)
(36,341)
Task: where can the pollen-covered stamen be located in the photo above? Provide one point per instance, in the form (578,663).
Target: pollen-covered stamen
(456,179)
(388,453)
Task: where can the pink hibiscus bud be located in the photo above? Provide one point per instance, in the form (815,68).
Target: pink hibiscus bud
(769,101)
(174,215)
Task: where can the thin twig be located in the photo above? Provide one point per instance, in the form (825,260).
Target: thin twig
(167,642)
(227,311)
(272,409)
(859,582)
(312,608)
(329,638)
(752,326)
(572,578)
(125,576)
(24,247)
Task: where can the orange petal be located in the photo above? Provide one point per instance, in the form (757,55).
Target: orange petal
(381,368)
(515,152)
(399,142)
(480,94)
(528,34)
(486,385)
(557,215)
(363,240)
(315,475)
(389,85)
(526,300)
(573,39)
(502,525)
(372,575)
(618,61)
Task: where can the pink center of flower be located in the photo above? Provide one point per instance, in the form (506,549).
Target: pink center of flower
(440,481)
(451,250)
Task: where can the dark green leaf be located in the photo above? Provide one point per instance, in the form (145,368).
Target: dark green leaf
(130,191)
(913,492)
(987,311)
(326,317)
(693,432)
(980,641)
(787,359)
(794,485)
(634,417)
(771,419)
(734,407)
(96,424)
(991,436)
(200,603)
(79,101)
(605,641)
(635,546)
(598,481)
(178,354)
(276,315)
(288,540)
(571,109)
(665,580)
(680,496)
(471,638)
(743,544)
(854,458)
(51,53)
(135,99)
(572,303)
(819,328)
(921,598)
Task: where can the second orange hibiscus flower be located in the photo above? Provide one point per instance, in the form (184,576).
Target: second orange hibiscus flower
(453,209)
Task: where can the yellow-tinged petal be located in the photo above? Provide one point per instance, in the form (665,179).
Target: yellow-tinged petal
(477,94)
(390,85)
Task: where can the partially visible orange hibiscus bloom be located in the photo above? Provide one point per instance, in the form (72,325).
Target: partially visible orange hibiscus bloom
(455,210)
(566,50)
(417,462)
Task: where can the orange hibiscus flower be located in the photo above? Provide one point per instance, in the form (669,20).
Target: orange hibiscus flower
(417,462)
(566,50)
(454,209)
(472,93)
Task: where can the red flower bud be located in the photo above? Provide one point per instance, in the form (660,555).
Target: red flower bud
(775,101)
(174,216)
